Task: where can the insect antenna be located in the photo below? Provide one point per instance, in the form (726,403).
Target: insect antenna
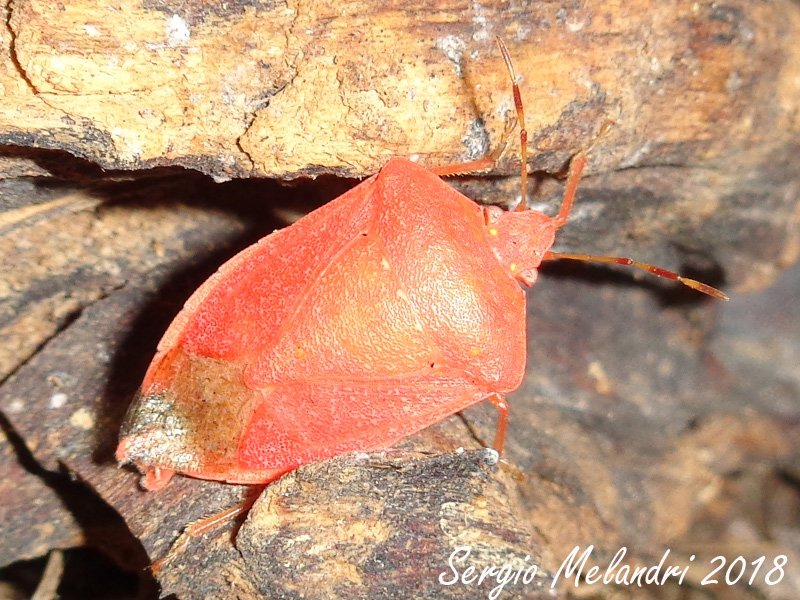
(576,166)
(523,132)
(628,262)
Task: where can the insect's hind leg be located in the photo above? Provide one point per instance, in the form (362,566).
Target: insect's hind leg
(203,526)
(499,402)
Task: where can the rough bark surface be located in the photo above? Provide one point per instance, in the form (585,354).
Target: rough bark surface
(261,88)
(648,418)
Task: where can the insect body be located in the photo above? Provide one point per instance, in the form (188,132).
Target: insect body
(373,317)
(388,309)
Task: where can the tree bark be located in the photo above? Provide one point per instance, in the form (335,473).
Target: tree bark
(647,418)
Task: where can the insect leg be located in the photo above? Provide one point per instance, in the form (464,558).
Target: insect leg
(481,164)
(204,525)
(499,402)
(576,166)
(488,162)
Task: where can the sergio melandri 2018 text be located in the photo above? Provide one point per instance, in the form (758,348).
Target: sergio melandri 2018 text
(524,573)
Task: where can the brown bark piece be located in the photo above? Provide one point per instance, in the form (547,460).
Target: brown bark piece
(30,513)
(259,88)
(647,418)
(390,525)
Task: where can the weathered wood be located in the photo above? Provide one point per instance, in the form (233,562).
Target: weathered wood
(275,89)
(646,419)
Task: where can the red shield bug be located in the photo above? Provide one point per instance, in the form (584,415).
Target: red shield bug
(386,310)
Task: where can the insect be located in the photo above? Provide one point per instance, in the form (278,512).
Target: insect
(386,310)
